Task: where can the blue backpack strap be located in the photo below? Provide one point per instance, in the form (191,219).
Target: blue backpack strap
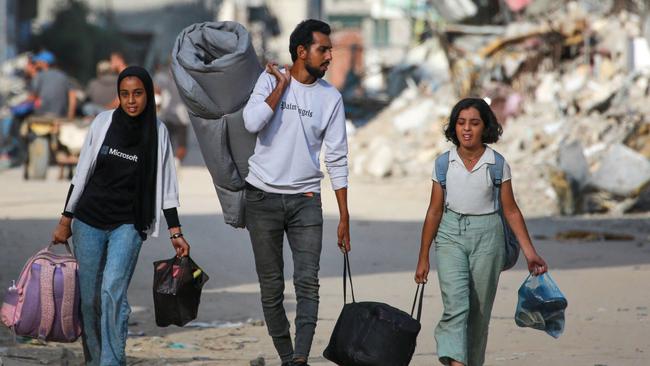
(442,165)
(496,173)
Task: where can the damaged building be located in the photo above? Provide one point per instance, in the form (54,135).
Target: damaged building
(568,80)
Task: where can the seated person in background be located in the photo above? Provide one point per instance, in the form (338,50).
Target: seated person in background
(101,90)
(51,88)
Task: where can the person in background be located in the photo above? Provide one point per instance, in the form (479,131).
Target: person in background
(16,148)
(101,90)
(52,91)
(118,62)
(172,111)
(30,71)
(124,179)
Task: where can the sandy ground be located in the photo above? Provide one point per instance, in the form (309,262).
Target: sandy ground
(606,282)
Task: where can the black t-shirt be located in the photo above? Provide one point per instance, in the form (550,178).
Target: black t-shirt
(108,198)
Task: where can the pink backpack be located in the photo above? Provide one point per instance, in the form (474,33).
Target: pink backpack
(44,303)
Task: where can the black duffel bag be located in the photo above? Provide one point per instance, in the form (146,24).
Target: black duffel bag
(372,333)
(177,285)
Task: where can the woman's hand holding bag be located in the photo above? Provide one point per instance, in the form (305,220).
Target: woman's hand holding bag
(422,270)
(536,264)
(62,231)
(181,247)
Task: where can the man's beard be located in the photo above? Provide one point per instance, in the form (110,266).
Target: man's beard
(316,72)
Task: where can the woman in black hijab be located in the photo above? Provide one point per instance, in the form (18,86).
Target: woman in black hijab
(124,178)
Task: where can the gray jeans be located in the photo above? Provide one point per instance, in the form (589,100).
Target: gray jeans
(268,217)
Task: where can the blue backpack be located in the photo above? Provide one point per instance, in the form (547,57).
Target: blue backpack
(496,173)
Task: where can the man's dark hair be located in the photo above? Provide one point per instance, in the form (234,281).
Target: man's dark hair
(492,129)
(303,35)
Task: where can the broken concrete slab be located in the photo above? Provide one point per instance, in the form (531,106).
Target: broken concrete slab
(414,117)
(623,171)
(455,10)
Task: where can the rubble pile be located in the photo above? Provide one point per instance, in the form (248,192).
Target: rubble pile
(572,92)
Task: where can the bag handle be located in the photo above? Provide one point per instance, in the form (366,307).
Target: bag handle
(67,247)
(347,274)
(419,289)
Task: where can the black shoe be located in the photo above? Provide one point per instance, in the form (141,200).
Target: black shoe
(299,363)
(290,363)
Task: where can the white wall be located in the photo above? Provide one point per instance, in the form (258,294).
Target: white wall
(289,14)
(399,27)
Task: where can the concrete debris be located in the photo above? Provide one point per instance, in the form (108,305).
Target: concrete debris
(622,171)
(138,333)
(415,117)
(570,86)
(258,362)
(50,355)
(381,161)
(572,161)
(456,9)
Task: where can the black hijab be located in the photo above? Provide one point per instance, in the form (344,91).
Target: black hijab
(145,132)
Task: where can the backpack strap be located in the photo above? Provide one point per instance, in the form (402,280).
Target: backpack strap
(68,302)
(47,299)
(442,165)
(496,173)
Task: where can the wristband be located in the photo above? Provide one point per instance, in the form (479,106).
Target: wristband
(176,235)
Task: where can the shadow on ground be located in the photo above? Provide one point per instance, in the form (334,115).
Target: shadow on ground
(378,247)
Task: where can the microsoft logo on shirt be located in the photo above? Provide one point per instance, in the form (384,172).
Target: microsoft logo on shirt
(115,152)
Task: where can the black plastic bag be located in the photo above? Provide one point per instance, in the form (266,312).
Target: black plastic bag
(177,284)
(372,333)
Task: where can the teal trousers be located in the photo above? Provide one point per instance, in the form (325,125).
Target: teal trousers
(470,253)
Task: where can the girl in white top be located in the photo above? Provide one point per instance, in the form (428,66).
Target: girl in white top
(470,246)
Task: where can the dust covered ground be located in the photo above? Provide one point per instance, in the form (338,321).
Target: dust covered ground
(604,278)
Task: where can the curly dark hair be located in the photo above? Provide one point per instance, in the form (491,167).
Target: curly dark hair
(303,35)
(492,129)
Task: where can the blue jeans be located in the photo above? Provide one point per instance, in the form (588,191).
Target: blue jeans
(106,260)
(268,217)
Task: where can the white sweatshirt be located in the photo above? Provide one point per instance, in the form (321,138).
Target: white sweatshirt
(289,140)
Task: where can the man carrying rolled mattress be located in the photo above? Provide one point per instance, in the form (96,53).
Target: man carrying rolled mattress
(294,112)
